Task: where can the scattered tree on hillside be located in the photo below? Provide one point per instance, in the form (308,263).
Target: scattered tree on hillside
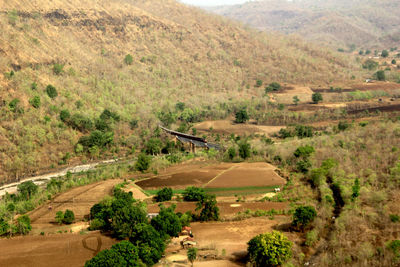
(385,53)
(380,75)
(231,153)
(394,61)
(192,255)
(143,162)
(316,98)
(23,225)
(153,146)
(51,91)
(269,249)
(296,100)
(274,86)
(370,64)
(259,83)
(35,102)
(241,116)
(27,189)
(303,216)
(244,149)
(69,217)
(355,189)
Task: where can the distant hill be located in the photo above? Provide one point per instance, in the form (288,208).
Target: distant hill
(134,58)
(339,23)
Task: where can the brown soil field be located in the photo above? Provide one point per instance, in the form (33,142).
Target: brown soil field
(227,127)
(383,86)
(285,96)
(248,175)
(79,200)
(52,250)
(226,208)
(233,236)
(193,174)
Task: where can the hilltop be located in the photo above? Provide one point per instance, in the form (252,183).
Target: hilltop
(136,59)
(337,23)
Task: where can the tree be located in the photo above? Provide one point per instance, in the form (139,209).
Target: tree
(167,223)
(4,227)
(193,193)
(107,258)
(273,87)
(370,64)
(385,53)
(232,153)
(394,61)
(69,217)
(35,102)
(316,98)
(303,216)
(356,189)
(153,146)
(149,242)
(241,116)
(164,194)
(27,189)
(24,224)
(380,75)
(129,252)
(192,255)
(59,217)
(143,162)
(209,210)
(125,218)
(296,100)
(65,115)
(51,91)
(244,150)
(259,83)
(304,151)
(269,249)
(128,59)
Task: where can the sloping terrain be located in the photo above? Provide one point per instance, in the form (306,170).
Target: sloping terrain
(338,23)
(178,53)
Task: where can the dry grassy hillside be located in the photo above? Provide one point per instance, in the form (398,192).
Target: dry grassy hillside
(178,53)
(366,24)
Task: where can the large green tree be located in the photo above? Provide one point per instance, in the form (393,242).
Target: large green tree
(269,249)
(304,216)
(167,222)
(27,189)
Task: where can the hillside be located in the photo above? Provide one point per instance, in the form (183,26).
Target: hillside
(178,53)
(338,23)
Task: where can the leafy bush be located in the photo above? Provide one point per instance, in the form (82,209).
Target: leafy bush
(51,91)
(192,255)
(311,238)
(13,105)
(143,162)
(80,122)
(343,125)
(128,59)
(69,217)
(231,153)
(193,193)
(96,139)
(58,68)
(259,83)
(269,249)
(273,87)
(241,116)
(385,53)
(303,216)
(23,226)
(164,194)
(394,218)
(35,102)
(304,151)
(370,64)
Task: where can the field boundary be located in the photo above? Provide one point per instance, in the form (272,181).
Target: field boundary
(213,179)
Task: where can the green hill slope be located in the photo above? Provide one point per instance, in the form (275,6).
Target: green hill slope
(178,53)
